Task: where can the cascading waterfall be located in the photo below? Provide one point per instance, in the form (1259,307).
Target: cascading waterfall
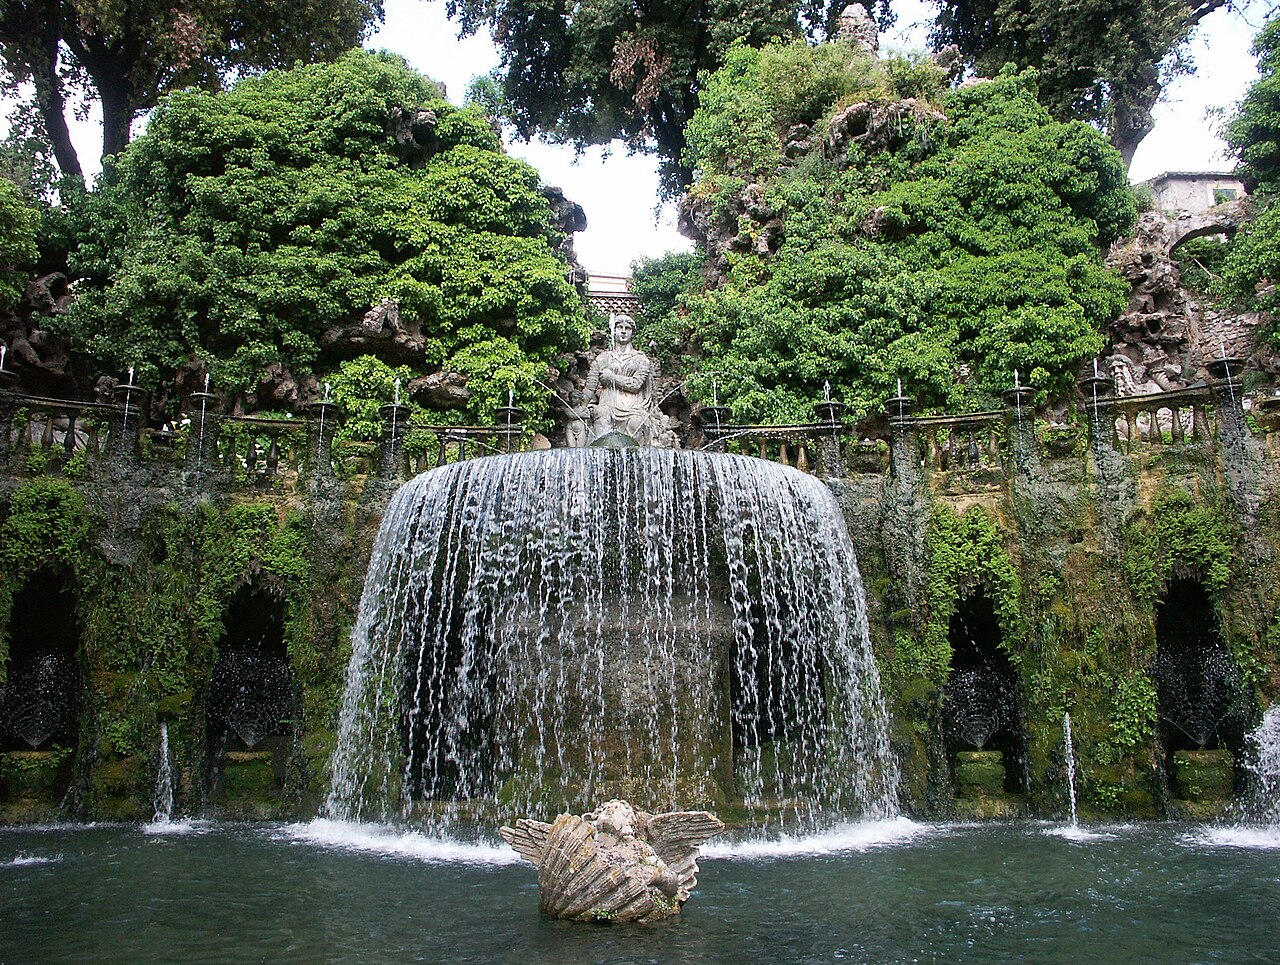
(1262,807)
(543,630)
(164,781)
(1069,752)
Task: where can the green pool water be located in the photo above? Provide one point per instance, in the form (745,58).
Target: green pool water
(897,892)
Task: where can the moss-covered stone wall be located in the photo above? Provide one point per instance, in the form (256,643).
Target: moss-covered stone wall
(1074,549)
(153,566)
(1076,554)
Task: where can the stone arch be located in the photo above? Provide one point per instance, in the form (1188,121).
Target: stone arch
(41,697)
(981,706)
(1202,702)
(251,703)
(1222,219)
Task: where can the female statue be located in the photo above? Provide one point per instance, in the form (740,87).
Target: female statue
(619,389)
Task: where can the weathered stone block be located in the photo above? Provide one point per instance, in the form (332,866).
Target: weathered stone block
(979,773)
(1203,775)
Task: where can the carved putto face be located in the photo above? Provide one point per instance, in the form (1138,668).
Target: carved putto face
(617,818)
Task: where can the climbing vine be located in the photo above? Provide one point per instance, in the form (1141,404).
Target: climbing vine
(1180,535)
(47,526)
(963,554)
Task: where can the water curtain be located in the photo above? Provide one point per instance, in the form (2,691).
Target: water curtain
(542,630)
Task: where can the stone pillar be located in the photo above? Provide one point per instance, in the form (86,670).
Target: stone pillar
(829,414)
(395,429)
(715,420)
(206,425)
(1227,389)
(1097,391)
(1021,416)
(326,417)
(127,419)
(510,420)
(1242,460)
(8,404)
(904,440)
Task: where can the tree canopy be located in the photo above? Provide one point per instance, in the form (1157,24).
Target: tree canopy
(598,70)
(18,226)
(127,53)
(245,225)
(1251,265)
(1100,61)
(947,254)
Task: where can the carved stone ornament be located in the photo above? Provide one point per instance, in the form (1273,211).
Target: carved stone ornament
(616,863)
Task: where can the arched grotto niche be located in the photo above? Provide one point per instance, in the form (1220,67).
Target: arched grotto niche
(982,724)
(1201,700)
(251,701)
(41,697)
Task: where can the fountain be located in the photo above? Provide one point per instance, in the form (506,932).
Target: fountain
(1262,807)
(542,631)
(1068,752)
(164,781)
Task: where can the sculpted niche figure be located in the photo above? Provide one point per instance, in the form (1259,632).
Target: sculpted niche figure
(616,863)
(619,389)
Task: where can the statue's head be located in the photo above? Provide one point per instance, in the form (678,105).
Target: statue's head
(622,328)
(615,817)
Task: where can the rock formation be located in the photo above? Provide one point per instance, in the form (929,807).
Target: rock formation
(616,863)
(1163,339)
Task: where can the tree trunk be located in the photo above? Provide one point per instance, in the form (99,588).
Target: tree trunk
(52,106)
(1131,126)
(117,114)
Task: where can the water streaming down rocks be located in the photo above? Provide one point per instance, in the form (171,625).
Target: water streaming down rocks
(545,630)
(1262,807)
(1069,753)
(164,781)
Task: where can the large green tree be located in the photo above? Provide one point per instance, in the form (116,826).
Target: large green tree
(1251,267)
(1100,61)
(244,225)
(19,224)
(943,251)
(127,53)
(593,71)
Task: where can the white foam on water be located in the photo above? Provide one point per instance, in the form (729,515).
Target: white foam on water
(855,836)
(25,860)
(1237,836)
(1078,834)
(184,826)
(394,843)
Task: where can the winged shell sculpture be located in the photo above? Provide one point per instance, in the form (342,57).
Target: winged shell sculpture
(615,863)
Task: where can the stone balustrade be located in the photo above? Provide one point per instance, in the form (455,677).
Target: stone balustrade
(42,435)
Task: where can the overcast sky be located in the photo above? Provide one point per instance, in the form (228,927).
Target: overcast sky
(619,192)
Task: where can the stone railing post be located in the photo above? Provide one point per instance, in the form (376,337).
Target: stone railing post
(510,420)
(128,416)
(8,405)
(904,441)
(206,426)
(1097,390)
(395,429)
(326,417)
(1021,417)
(829,414)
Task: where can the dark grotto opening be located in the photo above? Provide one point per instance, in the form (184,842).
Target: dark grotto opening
(1201,700)
(980,702)
(41,697)
(251,703)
